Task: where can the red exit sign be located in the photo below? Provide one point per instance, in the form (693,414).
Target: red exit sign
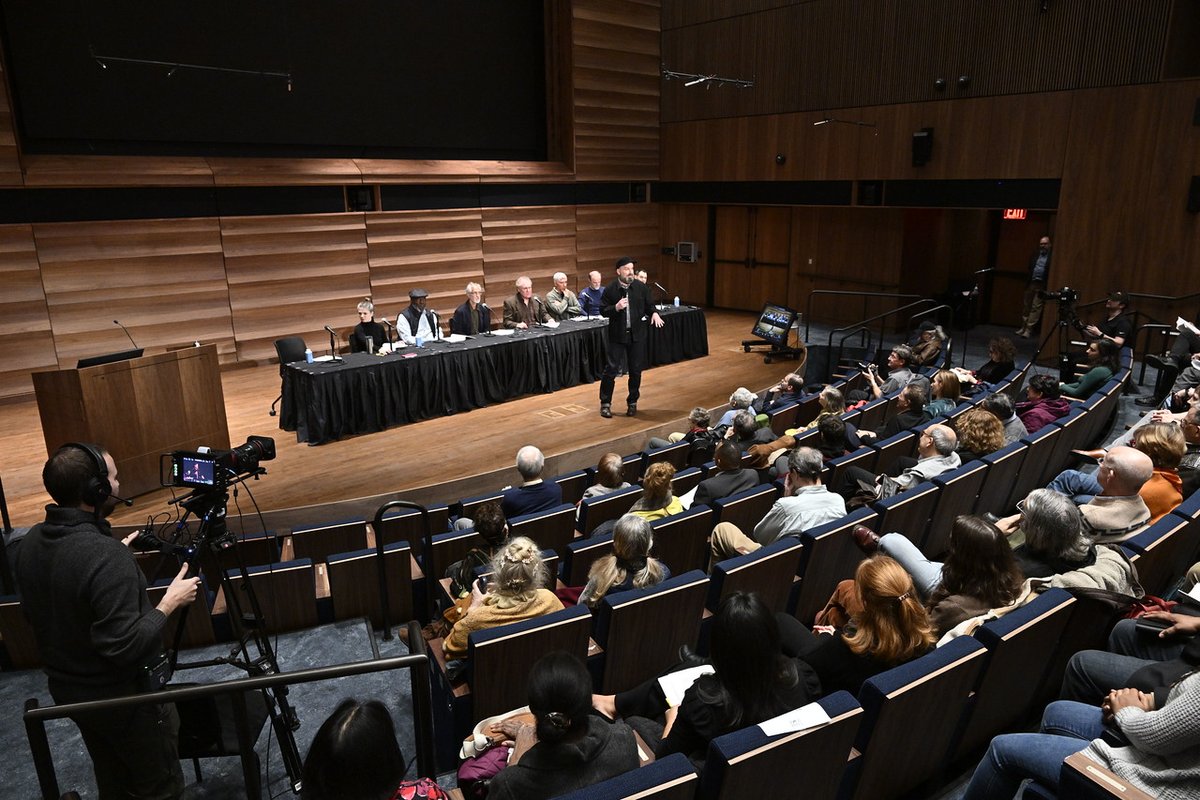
(1015,213)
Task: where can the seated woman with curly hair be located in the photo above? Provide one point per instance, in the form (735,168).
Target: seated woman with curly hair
(629,566)
(657,501)
(515,593)
(891,628)
(979,433)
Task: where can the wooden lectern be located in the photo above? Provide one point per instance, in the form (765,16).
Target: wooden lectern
(137,410)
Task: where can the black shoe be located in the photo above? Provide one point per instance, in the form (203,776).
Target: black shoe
(606,411)
(632,410)
(1149,401)
(990,517)
(1161,362)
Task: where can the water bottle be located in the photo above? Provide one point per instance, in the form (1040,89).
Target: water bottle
(677,301)
(420,341)
(308,356)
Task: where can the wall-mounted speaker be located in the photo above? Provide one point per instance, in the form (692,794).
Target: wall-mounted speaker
(685,252)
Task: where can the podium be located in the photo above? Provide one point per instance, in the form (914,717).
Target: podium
(137,410)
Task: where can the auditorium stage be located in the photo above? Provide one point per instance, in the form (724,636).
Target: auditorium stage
(437,459)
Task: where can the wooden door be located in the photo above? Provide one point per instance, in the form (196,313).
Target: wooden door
(750,256)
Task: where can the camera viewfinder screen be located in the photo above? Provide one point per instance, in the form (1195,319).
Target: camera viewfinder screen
(197,471)
(773,324)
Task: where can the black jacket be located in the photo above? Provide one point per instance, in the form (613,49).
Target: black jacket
(640,309)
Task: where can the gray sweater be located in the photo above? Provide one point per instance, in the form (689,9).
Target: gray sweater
(1164,755)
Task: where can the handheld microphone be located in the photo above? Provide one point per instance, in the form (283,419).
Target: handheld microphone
(131,341)
(981,271)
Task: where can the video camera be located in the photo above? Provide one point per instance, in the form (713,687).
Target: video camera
(1065,296)
(206,468)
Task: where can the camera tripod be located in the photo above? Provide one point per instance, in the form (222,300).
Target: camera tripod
(209,507)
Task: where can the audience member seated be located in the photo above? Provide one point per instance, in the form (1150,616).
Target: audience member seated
(1189,465)
(890,627)
(789,390)
(610,476)
(1154,748)
(524,309)
(1001,405)
(1002,356)
(910,412)
(899,364)
(491,525)
(1149,660)
(562,302)
(368,336)
(979,572)
(742,399)
(753,681)
(837,438)
(473,316)
(700,421)
(928,349)
(514,594)
(1043,403)
(979,433)
(936,451)
(569,747)
(1164,444)
(832,404)
(591,295)
(1116,327)
(354,756)
(745,432)
(1103,361)
(1110,501)
(947,393)
(657,501)
(806,503)
(533,494)
(731,478)
(629,566)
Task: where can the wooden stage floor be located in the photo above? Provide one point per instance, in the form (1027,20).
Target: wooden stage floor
(438,459)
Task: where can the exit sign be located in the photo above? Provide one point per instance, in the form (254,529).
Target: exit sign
(1015,213)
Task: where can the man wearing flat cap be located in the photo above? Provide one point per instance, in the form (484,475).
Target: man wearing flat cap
(417,321)
(630,312)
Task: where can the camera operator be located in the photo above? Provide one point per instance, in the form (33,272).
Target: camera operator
(97,633)
(1115,326)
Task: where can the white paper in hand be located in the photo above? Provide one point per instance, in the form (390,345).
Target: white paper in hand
(674,684)
(1182,325)
(809,716)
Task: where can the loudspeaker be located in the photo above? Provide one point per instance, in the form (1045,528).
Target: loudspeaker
(98,489)
(1193,204)
(685,252)
(922,147)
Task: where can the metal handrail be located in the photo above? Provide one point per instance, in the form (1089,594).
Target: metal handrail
(841,346)
(416,662)
(877,318)
(844,293)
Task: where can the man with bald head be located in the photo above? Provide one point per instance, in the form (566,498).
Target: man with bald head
(524,308)
(592,294)
(935,455)
(1118,511)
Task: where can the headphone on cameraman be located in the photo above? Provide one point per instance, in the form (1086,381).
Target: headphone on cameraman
(98,489)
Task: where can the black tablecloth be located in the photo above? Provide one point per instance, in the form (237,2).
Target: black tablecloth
(367,393)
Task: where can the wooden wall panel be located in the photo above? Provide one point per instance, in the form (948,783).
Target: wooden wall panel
(615,71)
(438,251)
(25,336)
(163,279)
(536,241)
(290,276)
(605,233)
(685,223)
(679,13)
(10,156)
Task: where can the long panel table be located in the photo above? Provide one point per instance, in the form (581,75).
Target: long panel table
(367,393)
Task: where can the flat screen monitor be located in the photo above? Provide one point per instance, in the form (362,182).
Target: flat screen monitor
(774,323)
(109,358)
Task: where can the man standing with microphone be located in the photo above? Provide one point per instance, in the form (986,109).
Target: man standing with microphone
(98,634)
(630,312)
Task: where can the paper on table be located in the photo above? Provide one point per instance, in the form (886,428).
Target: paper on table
(455,338)
(809,716)
(674,684)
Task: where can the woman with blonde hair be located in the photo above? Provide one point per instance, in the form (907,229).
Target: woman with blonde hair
(515,593)
(947,393)
(832,404)
(889,628)
(979,433)
(657,501)
(629,566)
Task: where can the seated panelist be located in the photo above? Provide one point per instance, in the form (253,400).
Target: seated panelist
(473,316)
(368,336)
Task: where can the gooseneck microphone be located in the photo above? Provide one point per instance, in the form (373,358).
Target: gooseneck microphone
(334,357)
(122,327)
(127,502)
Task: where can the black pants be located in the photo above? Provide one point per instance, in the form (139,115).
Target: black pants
(848,487)
(619,353)
(795,639)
